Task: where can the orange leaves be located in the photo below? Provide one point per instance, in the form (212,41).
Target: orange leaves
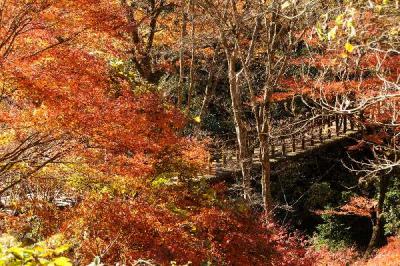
(357,205)
(129,230)
(389,255)
(66,86)
(377,139)
(122,133)
(338,258)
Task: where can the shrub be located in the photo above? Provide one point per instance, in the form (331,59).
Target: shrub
(319,196)
(185,160)
(332,234)
(33,220)
(392,209)
(125,231)
(42,253)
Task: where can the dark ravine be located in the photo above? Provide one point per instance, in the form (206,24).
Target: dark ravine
(293,181)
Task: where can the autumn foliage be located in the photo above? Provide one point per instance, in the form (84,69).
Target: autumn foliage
(129,231)
(95,144)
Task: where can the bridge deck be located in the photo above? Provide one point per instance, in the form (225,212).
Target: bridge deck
(327,132)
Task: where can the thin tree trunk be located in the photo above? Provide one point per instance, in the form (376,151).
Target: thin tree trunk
(181,54)
(245,156)
(212,82)
(266,183)
(377,229)
(207,97)
(209,91)
(266,168)
(191,84)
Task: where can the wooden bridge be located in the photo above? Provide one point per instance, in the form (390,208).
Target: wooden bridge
(324,130)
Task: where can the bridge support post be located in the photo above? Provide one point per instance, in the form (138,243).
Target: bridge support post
(294,143)
(329,121)
(379,107)
(372,115)
(272,150)
(352,124)
(321,137)
(312,135)
(344,124)
(209,164)
(337,121)
(283,147)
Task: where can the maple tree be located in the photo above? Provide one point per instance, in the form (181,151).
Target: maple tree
(74,91)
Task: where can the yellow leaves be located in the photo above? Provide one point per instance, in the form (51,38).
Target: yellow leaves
(394,31)
(28,40)
(332,33)
(349,47)
(288,3)
(7,137)
(285,5)
(197,119)
(42,111)
(320,32)
(17,252)
(61,261)
(337,28)
(61,249)
(378,8)
(44,61)
(339,20)
(116,63)
(350,28)
(13,253)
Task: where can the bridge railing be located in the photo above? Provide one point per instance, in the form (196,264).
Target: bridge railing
(321,130)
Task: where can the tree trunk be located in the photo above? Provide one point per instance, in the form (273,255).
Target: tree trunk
(181,54)
(263,114)
(191,75)
(378,222)
(265,173)
(207,97)
(245,156)
(212,82)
